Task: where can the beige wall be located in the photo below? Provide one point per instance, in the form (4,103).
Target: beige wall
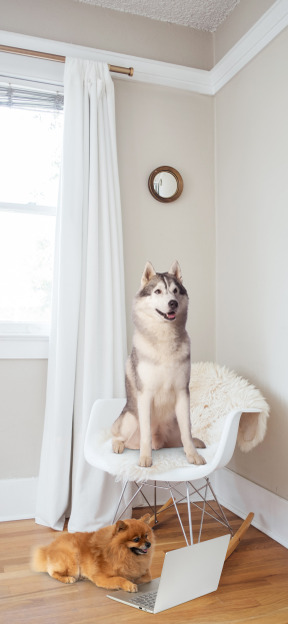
(252,250)
(87,25)
(22,404)
(155,125)
(244,16)
(159,125)
(162,126)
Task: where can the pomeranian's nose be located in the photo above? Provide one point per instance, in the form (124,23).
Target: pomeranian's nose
(147,544)
(173,304)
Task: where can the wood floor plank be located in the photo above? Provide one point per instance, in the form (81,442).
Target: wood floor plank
(253,586)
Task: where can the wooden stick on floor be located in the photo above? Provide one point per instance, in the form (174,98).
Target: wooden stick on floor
(167,504)
(234,541)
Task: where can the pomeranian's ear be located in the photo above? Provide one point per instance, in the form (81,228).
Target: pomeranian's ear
(145,518)
(120,526)
(148,273)
(176,271)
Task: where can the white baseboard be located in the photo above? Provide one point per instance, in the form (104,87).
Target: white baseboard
(17,499)
(242,496)
(18,502)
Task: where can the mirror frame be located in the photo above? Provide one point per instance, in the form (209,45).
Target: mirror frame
(177,177)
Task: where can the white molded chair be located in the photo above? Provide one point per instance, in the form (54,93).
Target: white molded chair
(170,467)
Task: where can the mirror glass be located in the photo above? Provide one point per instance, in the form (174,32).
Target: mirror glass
(165,184)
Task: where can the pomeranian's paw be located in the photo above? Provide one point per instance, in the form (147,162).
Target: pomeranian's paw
(130,587)
(70,579)
(145,461)
(195,458)
(118,446)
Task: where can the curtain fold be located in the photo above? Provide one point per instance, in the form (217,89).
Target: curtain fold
(88,332)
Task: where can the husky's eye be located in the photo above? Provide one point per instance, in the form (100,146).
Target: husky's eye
(136,539)
(157,291)
(175,291)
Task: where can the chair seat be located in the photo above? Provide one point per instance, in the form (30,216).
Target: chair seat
(169,464)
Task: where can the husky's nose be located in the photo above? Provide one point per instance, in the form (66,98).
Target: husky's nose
(173,304)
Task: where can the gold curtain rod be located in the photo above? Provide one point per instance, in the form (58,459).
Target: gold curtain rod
(129,71)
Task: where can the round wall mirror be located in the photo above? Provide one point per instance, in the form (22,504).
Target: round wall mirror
(165,184)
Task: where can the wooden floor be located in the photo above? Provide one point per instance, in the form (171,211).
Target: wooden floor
(253,587)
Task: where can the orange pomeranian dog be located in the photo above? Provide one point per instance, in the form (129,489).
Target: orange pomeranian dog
(115,557)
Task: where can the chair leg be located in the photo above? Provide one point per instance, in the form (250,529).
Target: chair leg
(178,514)
(119,502)
(220,507)
(219,516)
(155,502)
(189,512)
(203,511)
(131,500)
(234,541)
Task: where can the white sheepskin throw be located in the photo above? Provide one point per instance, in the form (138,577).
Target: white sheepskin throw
(214,391)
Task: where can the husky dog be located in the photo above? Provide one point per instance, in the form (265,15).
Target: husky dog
(157,412)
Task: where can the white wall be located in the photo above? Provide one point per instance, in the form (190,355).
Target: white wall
(252,250)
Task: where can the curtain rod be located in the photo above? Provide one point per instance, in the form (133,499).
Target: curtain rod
(129,71)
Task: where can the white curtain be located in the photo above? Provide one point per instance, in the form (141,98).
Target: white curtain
(88,333)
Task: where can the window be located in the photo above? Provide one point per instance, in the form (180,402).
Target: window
(31,124)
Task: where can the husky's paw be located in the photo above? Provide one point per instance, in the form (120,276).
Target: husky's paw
(117,446)
(195,458)
(145,461)
(198,443)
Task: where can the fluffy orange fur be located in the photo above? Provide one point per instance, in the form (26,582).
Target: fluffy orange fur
(115,557)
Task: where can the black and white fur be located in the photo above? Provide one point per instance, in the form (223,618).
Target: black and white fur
(157,412)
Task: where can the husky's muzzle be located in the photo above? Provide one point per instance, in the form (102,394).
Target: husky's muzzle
(171,315)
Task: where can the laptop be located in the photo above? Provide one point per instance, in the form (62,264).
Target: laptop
(187,573)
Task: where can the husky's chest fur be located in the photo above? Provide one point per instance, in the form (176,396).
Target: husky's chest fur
(160,361)
(157,411)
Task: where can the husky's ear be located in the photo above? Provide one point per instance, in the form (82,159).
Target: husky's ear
(148,273)
(176,271)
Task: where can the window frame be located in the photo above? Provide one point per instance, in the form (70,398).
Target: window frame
(48,75)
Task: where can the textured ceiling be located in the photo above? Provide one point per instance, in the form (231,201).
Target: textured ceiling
(201,14)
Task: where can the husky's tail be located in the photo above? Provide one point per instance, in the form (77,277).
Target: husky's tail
(38,561)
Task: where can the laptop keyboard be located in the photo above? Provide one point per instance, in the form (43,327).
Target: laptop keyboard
(144,600)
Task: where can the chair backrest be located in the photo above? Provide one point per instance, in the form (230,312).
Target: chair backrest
(228,438)
(227,442)
(105,412)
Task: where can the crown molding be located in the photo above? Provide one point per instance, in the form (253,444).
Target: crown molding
(160,73)
(255,40)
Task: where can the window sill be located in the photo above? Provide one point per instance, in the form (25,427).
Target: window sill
(24,347)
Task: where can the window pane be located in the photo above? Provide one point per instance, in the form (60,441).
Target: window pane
(30,156)
(26,267)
